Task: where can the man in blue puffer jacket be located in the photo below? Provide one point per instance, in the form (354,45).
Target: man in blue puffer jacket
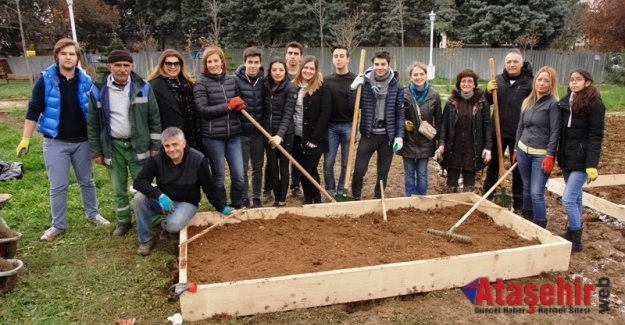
(59,102)
(381,120)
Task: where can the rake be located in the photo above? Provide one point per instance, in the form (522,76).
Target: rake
(450,233)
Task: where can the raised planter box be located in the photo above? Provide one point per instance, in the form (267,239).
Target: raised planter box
(372,282)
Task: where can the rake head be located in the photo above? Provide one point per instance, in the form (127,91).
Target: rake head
(450,235)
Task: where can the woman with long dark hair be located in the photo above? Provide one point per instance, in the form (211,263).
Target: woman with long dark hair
(278,108)
(582,127)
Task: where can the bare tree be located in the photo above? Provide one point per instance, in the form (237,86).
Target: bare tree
(147,43)
(213,11)
(319,8)
(401,10)
(528,40)
(345,30)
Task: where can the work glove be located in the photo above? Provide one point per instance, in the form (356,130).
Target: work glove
(23,147)
(491,85)
(547,165)
(592,174)
(514,156)
(358,135)
(409,126)
(358,82)
(275,141)
(167,205)
(398,144)
(486,156)
(438,154)
(226,211)
(311,145)
(236,104)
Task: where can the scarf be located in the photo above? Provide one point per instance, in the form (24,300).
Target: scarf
(419,95)
(466,95)
(380,90)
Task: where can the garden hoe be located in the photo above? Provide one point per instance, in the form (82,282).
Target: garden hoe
(502,198)
(450,233)
(352,138)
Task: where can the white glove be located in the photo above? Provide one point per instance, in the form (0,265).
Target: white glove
(359,81)
(486,156)
(398,144)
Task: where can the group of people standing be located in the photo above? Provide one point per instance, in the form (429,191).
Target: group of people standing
(180,131)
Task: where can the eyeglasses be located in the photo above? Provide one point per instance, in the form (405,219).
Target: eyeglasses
(172,64)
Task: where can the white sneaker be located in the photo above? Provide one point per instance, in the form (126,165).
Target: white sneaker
(99,220)
(51,233)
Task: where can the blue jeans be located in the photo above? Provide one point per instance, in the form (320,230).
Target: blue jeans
(231,150)
(58,156)
(534,181)
(144,207)
(338,134)
(572,197)
(415,184)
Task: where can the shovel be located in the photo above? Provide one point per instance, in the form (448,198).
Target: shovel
(450,233)
(502,198)
(288,156)
(352,138)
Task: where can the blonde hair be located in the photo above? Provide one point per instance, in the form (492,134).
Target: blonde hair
(419,65)
(317,80)
(158,70)
(210,51)
(533,96)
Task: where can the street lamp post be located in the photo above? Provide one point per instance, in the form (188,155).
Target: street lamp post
(431,67)
(19,18)
(70,4)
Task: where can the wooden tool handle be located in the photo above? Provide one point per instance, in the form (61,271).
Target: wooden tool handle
(491,66)
(352,139)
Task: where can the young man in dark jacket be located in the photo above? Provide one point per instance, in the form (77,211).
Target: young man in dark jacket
(249,78)
(381,120)
(513,86)
(179,171)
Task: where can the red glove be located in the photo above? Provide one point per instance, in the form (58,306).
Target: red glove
(236,104)
(547,164)
(514,156)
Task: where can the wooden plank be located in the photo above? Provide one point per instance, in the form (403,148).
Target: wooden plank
(591,201)
(602,180)
(373,282)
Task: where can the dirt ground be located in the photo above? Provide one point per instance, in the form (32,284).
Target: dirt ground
(603,255)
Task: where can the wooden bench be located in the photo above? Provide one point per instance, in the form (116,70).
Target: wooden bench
(17,76)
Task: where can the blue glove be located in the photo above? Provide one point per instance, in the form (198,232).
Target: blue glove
(167,205)
(359,81)
(226,211)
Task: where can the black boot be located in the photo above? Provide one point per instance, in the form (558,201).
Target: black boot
(542,223)
(528,215)
(576,239)
(452,189)
(566,235)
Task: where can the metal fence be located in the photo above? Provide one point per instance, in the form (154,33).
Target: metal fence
(448,62)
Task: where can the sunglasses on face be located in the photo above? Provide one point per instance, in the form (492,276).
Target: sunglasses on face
(172,64)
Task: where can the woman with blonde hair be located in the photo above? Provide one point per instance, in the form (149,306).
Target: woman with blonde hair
(173,87)
(312,113)
(537,141)
(217,101)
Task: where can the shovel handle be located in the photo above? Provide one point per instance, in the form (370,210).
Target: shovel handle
(288,156)
(352,138)
(491,67)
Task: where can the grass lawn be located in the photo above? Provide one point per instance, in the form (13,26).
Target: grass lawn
(86,276)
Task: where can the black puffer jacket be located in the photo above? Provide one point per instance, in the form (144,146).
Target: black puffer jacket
(252,92)
(279,107)
(417,146)
(580,136)
(510,97)
(211,94)
(482,138)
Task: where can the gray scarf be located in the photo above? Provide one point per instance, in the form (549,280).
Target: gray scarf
(379,86)
(466,95)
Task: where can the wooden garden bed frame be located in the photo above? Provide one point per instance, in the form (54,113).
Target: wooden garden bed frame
(556,185)
(371,282)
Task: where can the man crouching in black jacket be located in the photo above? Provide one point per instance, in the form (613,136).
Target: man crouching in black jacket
(180,171)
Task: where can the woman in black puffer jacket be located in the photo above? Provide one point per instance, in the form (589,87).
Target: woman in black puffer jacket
(582,128)
(280,98)
(217,104)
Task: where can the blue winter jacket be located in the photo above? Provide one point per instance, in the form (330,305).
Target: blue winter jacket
(51,116)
